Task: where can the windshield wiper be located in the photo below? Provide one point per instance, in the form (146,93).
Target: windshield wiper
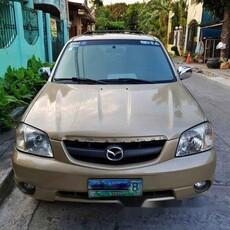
(81,80)
(128,80)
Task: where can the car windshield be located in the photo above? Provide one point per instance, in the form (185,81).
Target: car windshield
(114,61)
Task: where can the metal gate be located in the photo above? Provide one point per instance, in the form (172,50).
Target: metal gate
(8,30)
(30,25)
(192,36)
(45,37)
(57,34)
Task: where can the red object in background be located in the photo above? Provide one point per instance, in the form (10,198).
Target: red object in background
(188,59)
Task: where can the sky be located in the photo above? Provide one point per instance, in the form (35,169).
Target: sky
(107,2)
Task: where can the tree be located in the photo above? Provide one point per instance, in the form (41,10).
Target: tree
(102,16)
(221,9)
(117,11)
(110,17)
(180,10)
(150,17)
(131,16)
(97,3)
(154,18)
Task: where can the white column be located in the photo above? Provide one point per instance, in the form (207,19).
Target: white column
(198,34)
(178,38)
(186,38)
(175,38)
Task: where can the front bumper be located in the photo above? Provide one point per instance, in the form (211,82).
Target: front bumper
(171,179)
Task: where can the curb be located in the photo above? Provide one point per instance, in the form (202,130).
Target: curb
(213,76)
(6,171)
(206,72)
(6,184)
(200,68)
(203,71)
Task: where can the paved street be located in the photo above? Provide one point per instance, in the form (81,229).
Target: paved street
(209,211)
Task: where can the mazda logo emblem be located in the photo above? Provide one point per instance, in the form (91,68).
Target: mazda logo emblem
(114,153)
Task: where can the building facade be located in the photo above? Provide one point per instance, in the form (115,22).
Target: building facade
(202,32)
(81,18)
(30,28)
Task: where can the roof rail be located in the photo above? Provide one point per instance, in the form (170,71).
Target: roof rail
(112,32)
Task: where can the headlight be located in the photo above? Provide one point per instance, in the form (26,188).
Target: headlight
(34,141)
(196,140)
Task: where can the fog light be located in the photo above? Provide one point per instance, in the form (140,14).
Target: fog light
(202,186)
(27,188)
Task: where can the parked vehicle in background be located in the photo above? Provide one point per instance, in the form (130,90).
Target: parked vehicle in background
(114,122)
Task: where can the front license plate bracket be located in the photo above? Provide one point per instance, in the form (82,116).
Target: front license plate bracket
(99,188)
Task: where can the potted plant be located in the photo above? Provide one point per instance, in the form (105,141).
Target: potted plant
(213,63)
(224,63)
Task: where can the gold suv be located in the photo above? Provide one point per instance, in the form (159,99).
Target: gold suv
(114,123)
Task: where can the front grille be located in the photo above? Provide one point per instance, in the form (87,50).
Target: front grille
(134,152)
(146,195)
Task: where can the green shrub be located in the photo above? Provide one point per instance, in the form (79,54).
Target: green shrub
(17,88)
(7,103)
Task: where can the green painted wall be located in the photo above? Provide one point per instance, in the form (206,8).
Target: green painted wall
(20,50)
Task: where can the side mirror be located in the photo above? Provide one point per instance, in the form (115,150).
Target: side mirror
(184,72)
(44,72)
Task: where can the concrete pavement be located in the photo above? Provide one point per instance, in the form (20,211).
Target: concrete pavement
(221,76)
(7,139)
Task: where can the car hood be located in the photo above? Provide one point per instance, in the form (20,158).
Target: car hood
(72,110)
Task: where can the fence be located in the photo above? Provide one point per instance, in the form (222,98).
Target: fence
(58,40)
(25,32)
(45,37)
(8,30)
(30,25)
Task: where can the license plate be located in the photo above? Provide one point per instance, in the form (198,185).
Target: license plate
(114,187)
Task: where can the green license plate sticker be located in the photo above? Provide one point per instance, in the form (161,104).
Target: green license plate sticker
(114,187)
